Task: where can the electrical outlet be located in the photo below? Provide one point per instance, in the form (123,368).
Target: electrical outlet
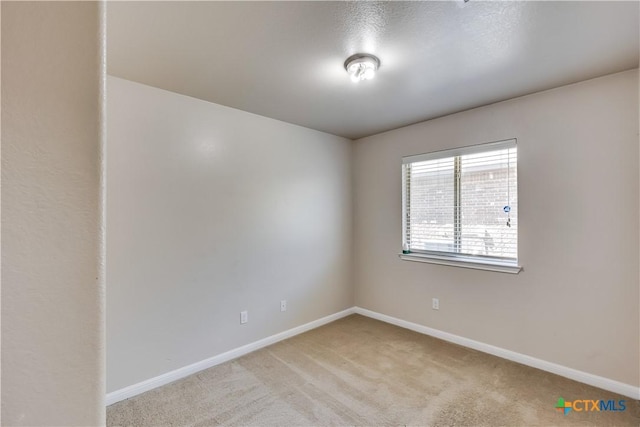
(244,317)
(435,304)
(283,305)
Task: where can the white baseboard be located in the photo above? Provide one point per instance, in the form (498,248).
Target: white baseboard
(583,377)
(151,383)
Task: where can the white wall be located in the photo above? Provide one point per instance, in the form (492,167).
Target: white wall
(52,297)
(576,302)
(210,211)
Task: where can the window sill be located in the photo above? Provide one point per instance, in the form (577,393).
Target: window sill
(461,262)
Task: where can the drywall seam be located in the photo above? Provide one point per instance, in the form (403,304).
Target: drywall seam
(580,376)
(160,380)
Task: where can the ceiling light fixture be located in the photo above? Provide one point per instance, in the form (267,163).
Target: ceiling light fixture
(361,66)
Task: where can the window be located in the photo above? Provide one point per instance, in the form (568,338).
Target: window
(460,207)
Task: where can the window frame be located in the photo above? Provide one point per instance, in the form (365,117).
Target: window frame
(481,262)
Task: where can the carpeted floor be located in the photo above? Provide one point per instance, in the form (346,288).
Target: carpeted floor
(358,371)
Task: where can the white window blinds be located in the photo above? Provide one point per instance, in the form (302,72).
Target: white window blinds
(462,202)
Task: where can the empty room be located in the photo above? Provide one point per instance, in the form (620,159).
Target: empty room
(320,213)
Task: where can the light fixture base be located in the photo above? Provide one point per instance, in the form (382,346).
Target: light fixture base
(361,66)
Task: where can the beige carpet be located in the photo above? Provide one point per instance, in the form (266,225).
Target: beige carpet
(358,371)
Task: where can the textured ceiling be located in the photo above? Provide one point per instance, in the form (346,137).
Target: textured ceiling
(284,60)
